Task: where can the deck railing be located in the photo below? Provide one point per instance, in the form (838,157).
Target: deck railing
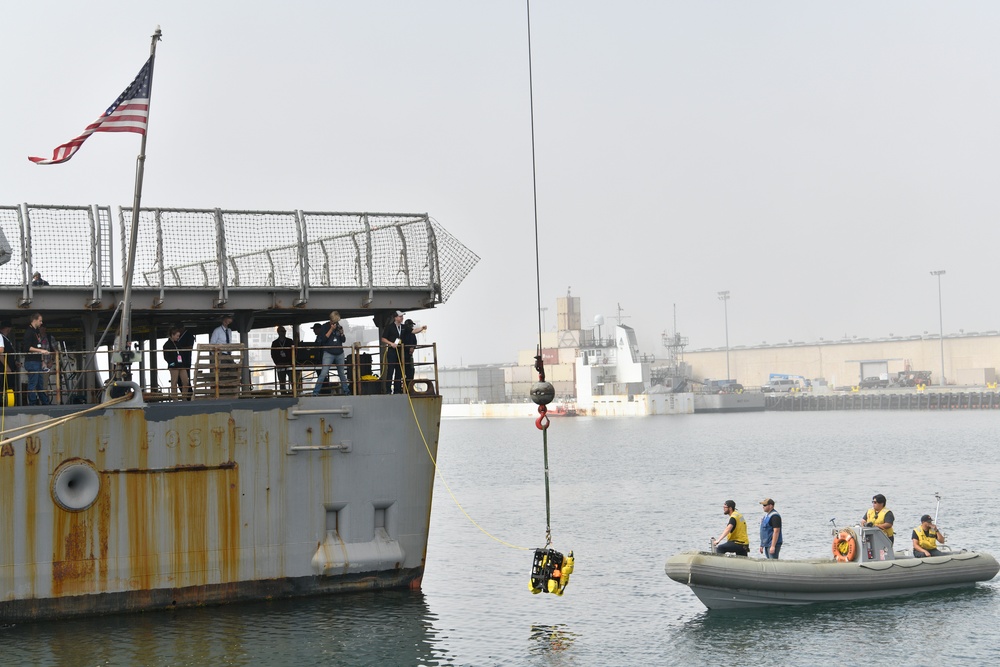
(215,372)
(72,246)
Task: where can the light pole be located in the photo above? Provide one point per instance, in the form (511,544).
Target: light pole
(940,320)
(724,298)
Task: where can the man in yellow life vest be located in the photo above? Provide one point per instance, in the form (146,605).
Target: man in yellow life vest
(926,537)
(879,516)
(736,530)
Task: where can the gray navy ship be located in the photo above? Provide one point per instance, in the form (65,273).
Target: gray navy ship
(118,494)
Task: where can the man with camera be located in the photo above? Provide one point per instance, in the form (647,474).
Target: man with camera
(331,339)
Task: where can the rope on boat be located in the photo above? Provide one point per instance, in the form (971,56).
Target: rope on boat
(437,470)
(45,425)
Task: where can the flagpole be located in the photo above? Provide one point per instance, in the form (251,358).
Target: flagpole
(125,339)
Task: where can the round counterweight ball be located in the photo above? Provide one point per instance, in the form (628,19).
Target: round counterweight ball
(542,393)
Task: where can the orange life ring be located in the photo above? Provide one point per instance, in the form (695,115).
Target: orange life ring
(845,547)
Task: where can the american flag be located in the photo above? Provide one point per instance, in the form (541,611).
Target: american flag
(127,114)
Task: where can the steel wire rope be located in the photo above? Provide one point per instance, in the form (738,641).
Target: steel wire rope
(543,421)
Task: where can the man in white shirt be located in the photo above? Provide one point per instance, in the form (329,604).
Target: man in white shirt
(222,335)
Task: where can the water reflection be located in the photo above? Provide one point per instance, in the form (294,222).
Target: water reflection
(550,639)
(388,627)
(887,628)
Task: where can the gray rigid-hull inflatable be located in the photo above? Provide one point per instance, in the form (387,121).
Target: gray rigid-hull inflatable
(727,582)
(876,571)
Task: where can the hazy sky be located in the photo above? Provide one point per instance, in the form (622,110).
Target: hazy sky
(815,159)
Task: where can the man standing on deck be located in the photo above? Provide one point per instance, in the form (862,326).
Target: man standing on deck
(736,530)
(281,355)
(34,351)
(222,335)
(770,530)
(331,339)
(880,516)
(392,339)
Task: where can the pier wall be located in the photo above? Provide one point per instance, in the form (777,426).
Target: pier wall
(885,400)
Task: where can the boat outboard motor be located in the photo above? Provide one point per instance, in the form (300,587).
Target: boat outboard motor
(875,545)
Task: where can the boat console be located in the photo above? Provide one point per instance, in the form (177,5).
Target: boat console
(874,545)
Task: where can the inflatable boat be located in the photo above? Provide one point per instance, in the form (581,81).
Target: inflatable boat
(872,570)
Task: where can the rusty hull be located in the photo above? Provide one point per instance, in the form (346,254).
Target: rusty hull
(206,502)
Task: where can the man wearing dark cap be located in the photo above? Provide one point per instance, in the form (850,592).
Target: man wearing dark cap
(736,531)
(880,516)
(770,530)
(926,537)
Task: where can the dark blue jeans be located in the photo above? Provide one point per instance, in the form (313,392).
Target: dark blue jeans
(333,359)
(36,383)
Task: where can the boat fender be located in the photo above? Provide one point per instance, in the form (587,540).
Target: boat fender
(550,572)
(845,547)
(75,485)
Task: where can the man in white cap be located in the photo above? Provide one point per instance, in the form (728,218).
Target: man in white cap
(392,338)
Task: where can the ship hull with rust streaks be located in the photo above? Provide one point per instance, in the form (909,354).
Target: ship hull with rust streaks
(144,506)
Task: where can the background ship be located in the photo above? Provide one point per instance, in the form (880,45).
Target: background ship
(120,497)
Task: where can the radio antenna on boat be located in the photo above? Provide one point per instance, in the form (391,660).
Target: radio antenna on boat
(550,569)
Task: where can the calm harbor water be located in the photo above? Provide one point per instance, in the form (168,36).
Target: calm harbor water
(626,493)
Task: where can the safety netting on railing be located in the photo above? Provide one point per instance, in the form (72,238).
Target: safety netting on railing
(211,247)
(61,242)
(11,250)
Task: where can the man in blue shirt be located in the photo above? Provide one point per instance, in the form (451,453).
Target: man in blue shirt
(770,530)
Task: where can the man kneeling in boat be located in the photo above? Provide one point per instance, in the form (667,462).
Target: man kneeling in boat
(925,538)
(880,516)
(738,542)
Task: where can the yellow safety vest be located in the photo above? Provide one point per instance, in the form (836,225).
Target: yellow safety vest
(874,518)
(739,533)
(926,540)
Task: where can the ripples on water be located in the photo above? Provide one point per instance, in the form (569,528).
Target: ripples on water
(626,494)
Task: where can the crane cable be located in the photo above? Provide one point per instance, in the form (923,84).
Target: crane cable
(550,569)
